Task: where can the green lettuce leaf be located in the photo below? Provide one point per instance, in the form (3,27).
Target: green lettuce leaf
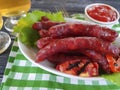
(27,35)
(116,27)
(78,16)
(114,78)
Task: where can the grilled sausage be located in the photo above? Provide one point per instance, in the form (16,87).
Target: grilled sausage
(77,43)
(80,29)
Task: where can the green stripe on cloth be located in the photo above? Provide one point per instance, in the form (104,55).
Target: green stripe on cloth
(11,59)
(21,74)
(7,71)
(25,83)
(20,57)
(29,88)
(15,49)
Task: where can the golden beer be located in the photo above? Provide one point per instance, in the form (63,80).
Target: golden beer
(1,22)
(14,7)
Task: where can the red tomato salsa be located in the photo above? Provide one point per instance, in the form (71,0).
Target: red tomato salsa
(102,13)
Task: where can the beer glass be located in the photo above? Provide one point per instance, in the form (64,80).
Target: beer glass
(1,22)
(13,10)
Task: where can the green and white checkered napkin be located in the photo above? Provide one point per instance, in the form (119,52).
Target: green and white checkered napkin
(21,74)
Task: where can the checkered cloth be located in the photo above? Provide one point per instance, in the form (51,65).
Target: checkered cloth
(21,74)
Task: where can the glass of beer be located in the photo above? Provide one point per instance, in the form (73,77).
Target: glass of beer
(1,22)
(13,10)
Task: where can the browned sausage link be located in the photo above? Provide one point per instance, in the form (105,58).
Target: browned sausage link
(44,41)
(94,56)
(43,33)
(37,26)
(47,24)
(100,59)
(44,18)
(61,58)
(77,43)
(80,29)
(44,25)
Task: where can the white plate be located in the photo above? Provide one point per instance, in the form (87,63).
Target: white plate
(30,54)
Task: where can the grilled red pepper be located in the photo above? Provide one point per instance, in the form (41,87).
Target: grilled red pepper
(79,67)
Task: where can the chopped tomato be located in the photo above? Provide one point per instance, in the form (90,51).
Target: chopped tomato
(91,70)
(69,67)
(112,63)
(118,64)
(79,67)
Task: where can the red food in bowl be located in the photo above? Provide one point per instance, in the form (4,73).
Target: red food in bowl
(102,13)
